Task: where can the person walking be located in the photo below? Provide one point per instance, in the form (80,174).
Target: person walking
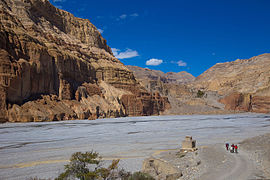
(231,149)
(227,146)
(235,148)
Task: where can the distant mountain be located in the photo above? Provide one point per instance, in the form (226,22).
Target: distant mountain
(237,86)
(175,86)
(170,77)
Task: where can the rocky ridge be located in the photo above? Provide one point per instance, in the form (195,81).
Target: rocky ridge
(244,84)
(54,66)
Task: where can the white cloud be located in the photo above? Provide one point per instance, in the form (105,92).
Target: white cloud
(129,53)
(134,15)
(181,63)
(115,51)
(100,30)
(123,16)
(59,7)
(154,62)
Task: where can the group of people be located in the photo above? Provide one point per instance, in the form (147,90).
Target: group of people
(233,148)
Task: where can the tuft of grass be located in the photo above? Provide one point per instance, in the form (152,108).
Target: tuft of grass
(181,154)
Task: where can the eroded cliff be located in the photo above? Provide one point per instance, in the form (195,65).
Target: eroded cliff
(54,66)
(244,84)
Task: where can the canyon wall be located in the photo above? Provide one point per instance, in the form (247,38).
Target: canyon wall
(54,66)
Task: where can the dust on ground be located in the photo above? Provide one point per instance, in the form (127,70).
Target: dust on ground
(213,162)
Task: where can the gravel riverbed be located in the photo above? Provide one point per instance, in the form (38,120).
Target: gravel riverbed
(42,149)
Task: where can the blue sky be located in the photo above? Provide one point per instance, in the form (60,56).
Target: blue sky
(178,35)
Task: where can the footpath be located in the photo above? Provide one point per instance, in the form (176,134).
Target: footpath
(208,162)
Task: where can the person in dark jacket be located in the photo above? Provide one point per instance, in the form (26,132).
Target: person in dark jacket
(227,146)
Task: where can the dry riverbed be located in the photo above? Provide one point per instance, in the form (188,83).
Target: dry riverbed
(42,149)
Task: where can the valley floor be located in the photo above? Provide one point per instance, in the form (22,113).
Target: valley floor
(42,149)
(214,162)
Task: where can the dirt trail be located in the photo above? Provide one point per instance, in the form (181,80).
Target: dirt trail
(223,165)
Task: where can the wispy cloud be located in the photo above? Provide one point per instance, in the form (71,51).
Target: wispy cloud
(115,51)
(128,53)
(126,16)
(100,30)
(154,62)
(134,15)
(181,63)
(123,16)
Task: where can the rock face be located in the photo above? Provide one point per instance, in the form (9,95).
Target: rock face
(54,66)
(182,97)
(160,169)
(244,84)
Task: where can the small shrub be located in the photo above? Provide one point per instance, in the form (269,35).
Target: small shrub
(200,94)
(86,166)
(140,176)
(181,154)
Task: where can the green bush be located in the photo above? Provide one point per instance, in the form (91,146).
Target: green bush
(87,166)
(200,94)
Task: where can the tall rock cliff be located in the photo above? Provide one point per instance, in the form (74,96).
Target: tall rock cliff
(54,66)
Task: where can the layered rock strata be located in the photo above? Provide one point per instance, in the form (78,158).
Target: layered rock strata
(54,66)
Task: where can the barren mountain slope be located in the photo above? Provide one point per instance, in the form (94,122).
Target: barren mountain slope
(244,83)
(170,77)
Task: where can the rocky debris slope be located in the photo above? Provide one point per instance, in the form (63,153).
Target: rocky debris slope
(183,98)
(244,84)
(54,66)
(160,169)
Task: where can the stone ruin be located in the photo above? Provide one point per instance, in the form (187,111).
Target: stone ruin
(188,144)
